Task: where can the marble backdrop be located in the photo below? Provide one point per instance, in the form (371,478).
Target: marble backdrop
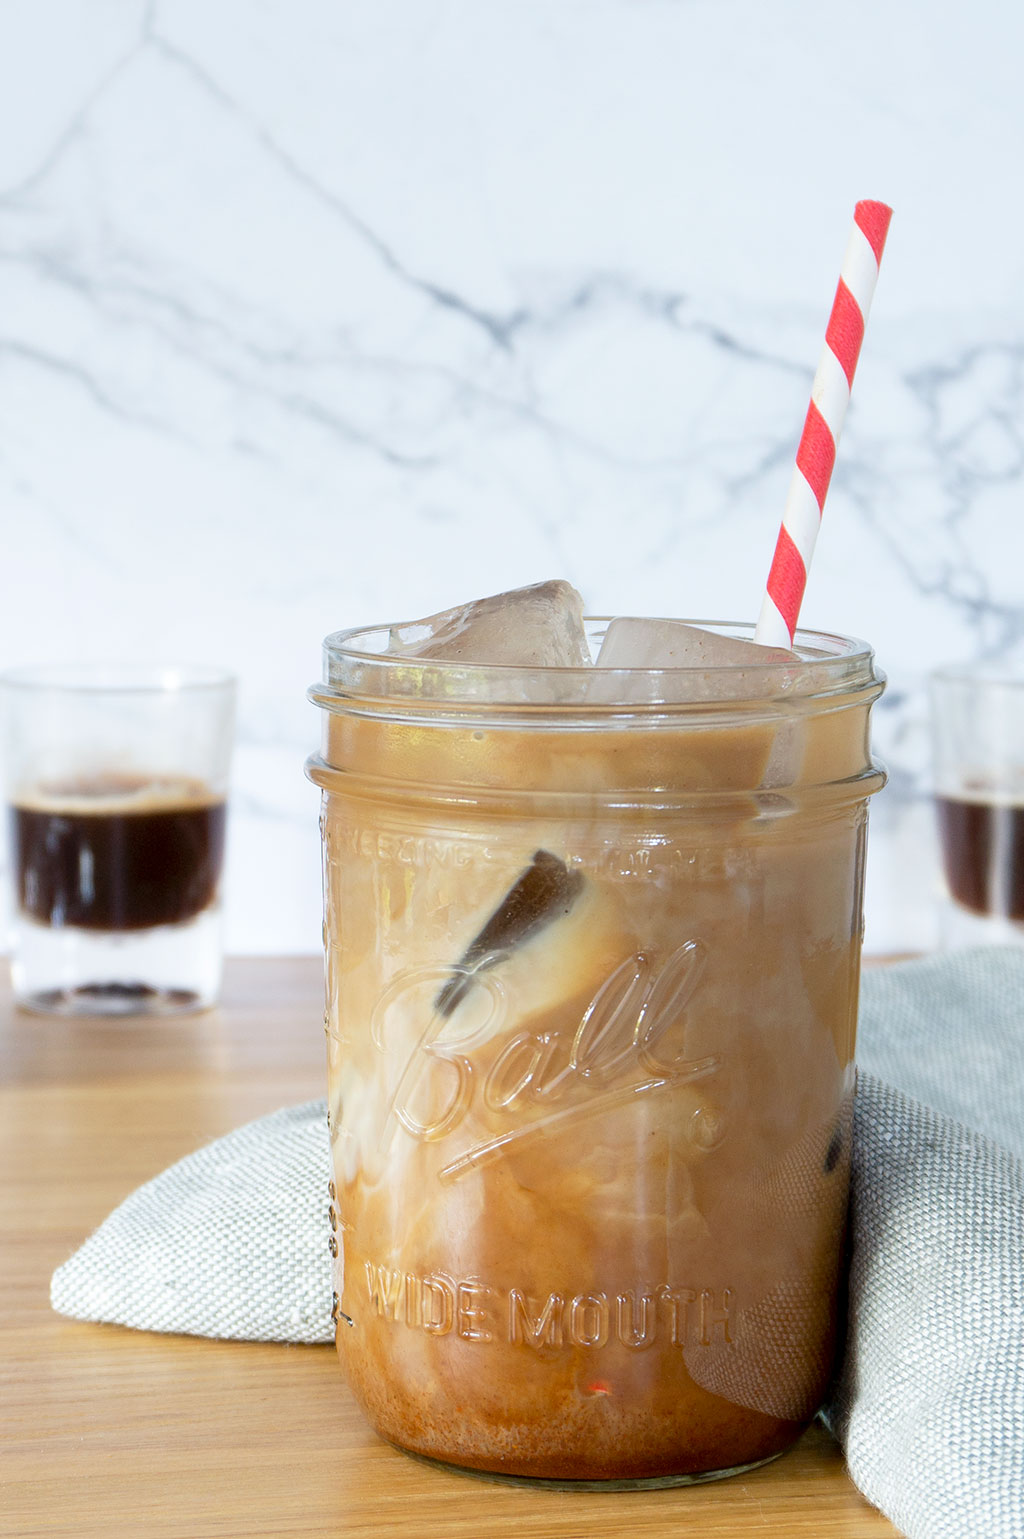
(315,313)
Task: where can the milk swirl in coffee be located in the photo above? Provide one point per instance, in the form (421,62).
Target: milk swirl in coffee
(592,984)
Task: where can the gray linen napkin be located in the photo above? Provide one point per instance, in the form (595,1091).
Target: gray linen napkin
(929,1400)
(229,1242)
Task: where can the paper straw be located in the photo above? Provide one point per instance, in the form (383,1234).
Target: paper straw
(830,396)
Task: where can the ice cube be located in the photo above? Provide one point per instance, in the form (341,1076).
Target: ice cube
(542,893)
(641,643)
(536,627)
(702,665)
(706,665)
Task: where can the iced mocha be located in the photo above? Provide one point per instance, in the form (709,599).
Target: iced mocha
(592,973)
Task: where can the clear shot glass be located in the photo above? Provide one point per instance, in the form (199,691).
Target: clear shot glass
(977,724)
(115,783)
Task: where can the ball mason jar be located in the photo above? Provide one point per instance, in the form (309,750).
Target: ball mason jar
(592,958)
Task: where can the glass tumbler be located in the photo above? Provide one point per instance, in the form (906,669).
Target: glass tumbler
(592,960)
(977,721)
(115,781)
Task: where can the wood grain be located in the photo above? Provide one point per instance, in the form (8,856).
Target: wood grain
(109,1431)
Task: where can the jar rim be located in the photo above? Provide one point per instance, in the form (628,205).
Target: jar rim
(358,666)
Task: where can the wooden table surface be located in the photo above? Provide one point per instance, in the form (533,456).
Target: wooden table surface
(114,1432)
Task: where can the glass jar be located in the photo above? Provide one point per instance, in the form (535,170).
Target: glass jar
(592,945)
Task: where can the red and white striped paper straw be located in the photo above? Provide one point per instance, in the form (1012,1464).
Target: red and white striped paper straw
(830,396)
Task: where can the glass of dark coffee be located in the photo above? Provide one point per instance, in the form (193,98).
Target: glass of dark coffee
(116,781)
(977,720)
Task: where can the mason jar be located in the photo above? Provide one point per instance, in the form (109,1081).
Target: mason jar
(592,956)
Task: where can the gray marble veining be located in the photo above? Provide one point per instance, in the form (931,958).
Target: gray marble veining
(312,316)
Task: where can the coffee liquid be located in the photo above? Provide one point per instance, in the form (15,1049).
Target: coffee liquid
(983,855)
(590,1091)
(117,854)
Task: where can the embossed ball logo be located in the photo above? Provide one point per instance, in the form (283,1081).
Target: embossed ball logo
(629,1042)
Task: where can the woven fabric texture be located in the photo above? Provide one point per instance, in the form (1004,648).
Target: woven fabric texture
(231,1241)
(929,1402)
(929,1399)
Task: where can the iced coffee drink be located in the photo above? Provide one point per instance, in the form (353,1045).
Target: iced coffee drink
(593,941)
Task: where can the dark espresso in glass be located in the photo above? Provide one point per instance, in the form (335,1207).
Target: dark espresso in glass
(117,855)
(983,854)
